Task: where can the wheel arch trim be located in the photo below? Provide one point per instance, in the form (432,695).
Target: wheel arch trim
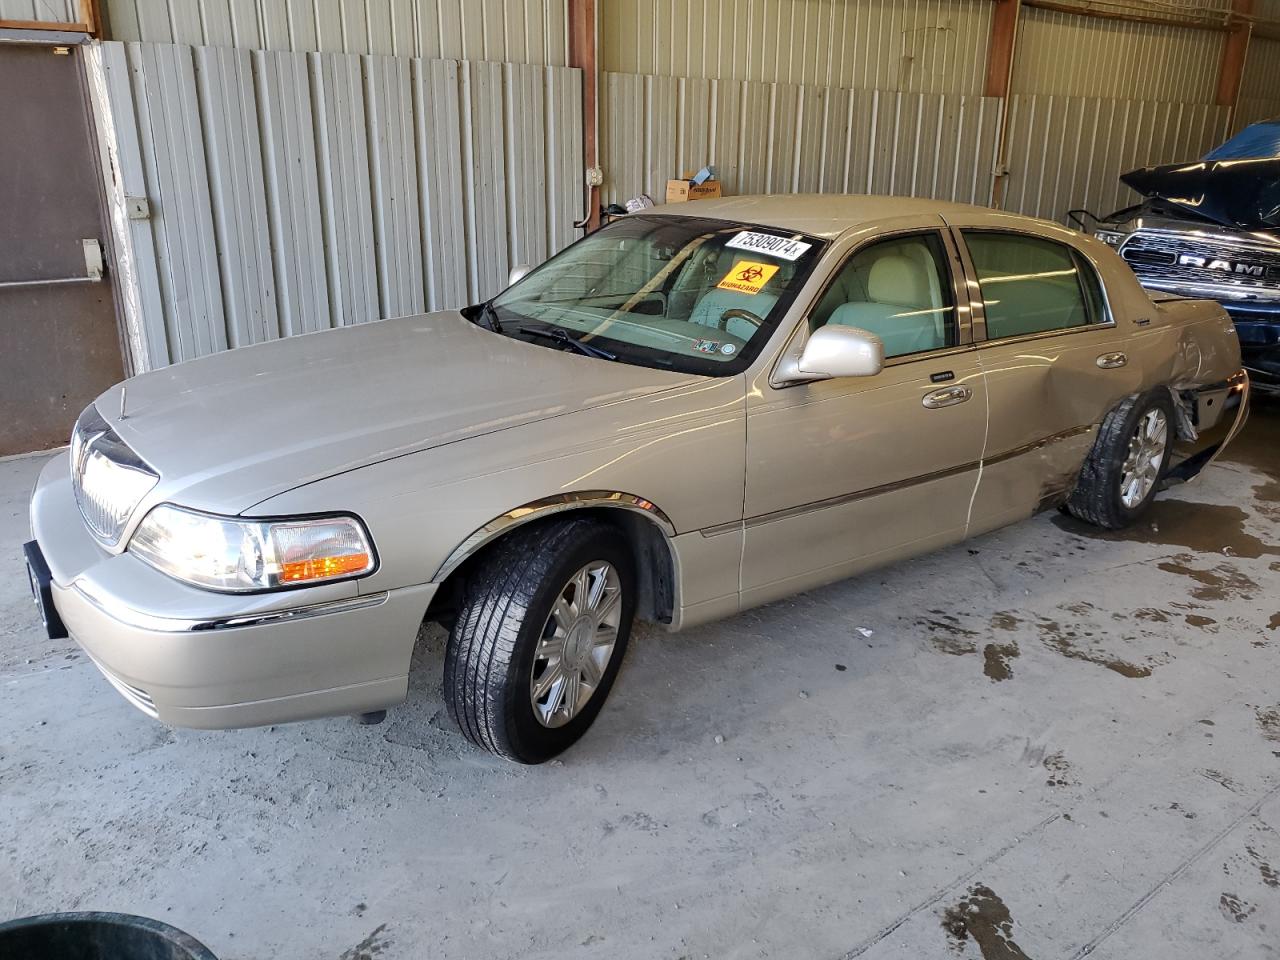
(549,506)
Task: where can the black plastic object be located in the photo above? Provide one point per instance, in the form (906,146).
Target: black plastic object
(97,936)
(1235,193)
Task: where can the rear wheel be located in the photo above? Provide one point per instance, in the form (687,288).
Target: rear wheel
(540,637)
(1129,458)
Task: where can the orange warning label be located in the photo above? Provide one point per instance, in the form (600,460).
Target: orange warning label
(748,277)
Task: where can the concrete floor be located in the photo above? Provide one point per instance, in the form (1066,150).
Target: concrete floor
(1041,744)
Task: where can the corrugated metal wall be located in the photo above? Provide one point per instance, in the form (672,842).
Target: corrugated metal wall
(923,46)
(292,192)
(517,31)
(783,138)
(48,11)
(1067,152)
(1260,86)
(1069,55)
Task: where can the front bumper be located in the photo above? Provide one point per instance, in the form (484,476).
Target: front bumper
(193,658)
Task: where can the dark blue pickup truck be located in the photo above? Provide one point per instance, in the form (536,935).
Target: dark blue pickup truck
(1211,228)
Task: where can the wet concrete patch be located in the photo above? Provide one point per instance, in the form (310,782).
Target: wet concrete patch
(946,635)
(1203,527)
(1235,909)
(1076,645)
(996,657)
(1006,620)
(1060,771)
(983,917)
(1269,721)
(1221,582)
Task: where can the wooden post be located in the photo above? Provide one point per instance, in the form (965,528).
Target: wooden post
(1000,50)
(1233,54)
(582,54)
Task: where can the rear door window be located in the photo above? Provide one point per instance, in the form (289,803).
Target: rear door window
(1031,285)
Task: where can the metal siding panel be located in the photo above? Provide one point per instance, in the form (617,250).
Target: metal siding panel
(154,25)
(130,169)
(527,134)
(622,135)
(393,160)
(302,26)
(440,182)
(244,23)
(275,24)
(660,134)
(236,185)
(295,220)
(565,203)
(696,129)
(215,23)
(345,193)
(484,146)
(725,148)
(178,183)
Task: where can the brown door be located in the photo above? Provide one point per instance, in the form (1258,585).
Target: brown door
(59,346)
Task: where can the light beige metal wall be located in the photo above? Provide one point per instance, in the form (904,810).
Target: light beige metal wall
(1068,152)
(1069,55)
(48,11)
(291,192)
(1260,86)
(787,138)
(517,31)
(924,46)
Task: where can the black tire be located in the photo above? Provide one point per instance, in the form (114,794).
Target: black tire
(508,599)
(1097,496)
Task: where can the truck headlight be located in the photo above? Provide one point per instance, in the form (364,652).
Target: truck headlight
(238,555)
(1112,238)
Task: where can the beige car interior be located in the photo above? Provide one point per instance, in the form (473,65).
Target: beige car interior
(697,292)
(894,291)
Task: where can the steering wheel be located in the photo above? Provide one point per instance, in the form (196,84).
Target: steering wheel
(739,314)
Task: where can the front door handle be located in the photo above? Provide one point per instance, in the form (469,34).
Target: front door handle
(1109,361)
(947,396)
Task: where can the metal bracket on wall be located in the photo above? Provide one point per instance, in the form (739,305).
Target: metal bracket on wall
(93,270)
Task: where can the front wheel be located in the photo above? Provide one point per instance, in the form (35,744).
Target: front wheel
(1129,459)
(540,637)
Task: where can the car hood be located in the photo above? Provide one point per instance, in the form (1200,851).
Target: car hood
(1244,194)
(230,430)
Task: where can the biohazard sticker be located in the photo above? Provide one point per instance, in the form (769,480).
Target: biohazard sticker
(768,243)
(748,277)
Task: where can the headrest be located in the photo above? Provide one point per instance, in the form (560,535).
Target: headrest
(896,280)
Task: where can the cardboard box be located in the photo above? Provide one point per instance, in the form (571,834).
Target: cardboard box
(678,191)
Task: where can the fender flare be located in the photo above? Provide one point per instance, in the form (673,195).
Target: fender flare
(545,507)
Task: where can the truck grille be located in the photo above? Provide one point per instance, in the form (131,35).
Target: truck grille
(1203,264)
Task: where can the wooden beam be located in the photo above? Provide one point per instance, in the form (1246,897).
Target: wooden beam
(1004,31)
(1233,53)
(44,25)
(582,54)
(1087,11)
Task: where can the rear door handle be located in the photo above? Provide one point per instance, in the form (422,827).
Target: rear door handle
(1109,361)
(947,396)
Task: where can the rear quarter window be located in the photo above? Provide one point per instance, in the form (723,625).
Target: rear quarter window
(1032,285)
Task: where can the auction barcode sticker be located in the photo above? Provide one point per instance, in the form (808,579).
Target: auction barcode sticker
(768,243)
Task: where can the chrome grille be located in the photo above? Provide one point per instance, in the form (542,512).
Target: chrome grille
(108,478)
(1202,263)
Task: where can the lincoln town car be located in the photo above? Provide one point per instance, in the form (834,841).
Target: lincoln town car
(691,411)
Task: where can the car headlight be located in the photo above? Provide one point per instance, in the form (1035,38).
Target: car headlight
(1111,238)
(238,555)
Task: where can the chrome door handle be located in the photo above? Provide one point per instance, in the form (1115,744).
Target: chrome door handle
(947,396)
(1109,361)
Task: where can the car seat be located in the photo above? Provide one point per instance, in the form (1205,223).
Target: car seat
(904,306)
(712,305)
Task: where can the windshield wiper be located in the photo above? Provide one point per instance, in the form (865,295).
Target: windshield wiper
(561,335)
(488,317)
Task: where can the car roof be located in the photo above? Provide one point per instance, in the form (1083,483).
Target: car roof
(828,215)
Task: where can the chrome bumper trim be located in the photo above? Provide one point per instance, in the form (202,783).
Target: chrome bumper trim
(146,621)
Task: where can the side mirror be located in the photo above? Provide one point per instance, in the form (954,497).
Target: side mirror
(518,273)
(839,352)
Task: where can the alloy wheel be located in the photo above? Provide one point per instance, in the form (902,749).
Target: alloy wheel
(1146,455)
(576,644)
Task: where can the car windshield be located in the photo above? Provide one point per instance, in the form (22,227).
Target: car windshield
(687,293)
